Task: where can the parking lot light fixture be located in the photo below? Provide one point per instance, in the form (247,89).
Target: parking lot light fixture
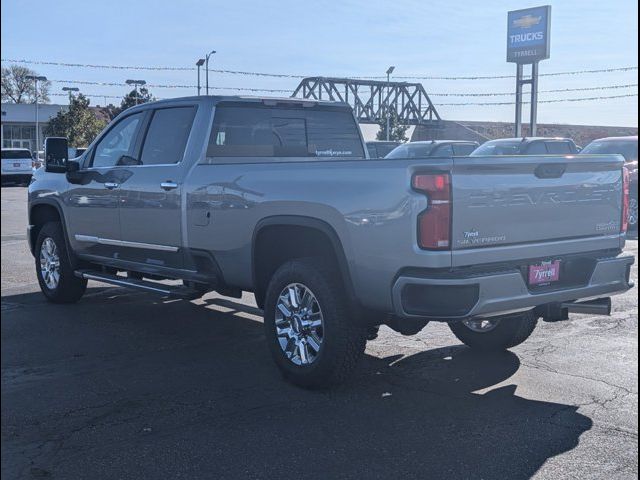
(389,72)
(36,79)
(135,83)
(206,67)
(199,63)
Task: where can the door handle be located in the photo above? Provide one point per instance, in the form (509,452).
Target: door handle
(111,185)
(169,185)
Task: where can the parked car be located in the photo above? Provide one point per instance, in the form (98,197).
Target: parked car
(527,146)
(17,165)
(379,148)
(628,148)
(277,197)
(434,148)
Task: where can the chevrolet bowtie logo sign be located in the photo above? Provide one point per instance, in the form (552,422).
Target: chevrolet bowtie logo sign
(528,34)
(527,21)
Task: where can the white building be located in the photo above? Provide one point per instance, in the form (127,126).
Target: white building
(19,123)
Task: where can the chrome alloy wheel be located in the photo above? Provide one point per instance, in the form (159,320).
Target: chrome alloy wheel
(481,325)
(299,324)
(633,212)
(50,263)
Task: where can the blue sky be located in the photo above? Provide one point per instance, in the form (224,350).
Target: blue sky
(346,38)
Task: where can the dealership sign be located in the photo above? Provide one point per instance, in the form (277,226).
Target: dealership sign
(528,34)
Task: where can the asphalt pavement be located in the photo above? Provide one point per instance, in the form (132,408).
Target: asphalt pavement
(128,385)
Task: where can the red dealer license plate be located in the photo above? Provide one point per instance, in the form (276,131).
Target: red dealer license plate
(546,272)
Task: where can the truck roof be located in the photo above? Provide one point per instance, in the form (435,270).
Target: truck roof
(215,99)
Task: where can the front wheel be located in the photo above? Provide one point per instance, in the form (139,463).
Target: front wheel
(495,333)
(312,338)
(53,268)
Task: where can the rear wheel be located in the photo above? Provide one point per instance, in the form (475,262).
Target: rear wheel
(53,268)
(633,213)
(311,336)
(496,333)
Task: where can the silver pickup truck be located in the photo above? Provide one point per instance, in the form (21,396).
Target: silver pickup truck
(277,197)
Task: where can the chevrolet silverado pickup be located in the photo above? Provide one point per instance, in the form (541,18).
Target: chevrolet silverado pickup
(277,197)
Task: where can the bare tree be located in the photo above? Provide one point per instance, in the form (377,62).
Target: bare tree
(16,88)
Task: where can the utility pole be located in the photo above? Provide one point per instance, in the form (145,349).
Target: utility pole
(199,63)
(207,70)
(35,79)
(389,72)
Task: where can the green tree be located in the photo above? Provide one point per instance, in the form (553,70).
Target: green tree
(131,99)
(17,88)
(397,131)
(79,124)
(136,97)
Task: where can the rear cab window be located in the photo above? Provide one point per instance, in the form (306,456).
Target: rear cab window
(463,149)
(559,147)
(16,154)
(262,131)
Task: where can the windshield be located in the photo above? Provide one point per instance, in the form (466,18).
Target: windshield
(627,148)
(501,147)
(411,151)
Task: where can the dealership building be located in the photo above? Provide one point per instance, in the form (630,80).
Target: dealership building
(19,123)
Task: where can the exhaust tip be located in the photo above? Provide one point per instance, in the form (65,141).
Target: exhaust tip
(600,306)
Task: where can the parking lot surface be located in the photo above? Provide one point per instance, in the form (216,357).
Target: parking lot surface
(129,385)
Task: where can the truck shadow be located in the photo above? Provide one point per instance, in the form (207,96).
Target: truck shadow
(151,388)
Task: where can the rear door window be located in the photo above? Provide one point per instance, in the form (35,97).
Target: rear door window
(240,131)
(167,135)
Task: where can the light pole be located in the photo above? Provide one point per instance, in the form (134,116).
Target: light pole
(389,72)
(199,63)
(135,83)
(35,79)
(206,67)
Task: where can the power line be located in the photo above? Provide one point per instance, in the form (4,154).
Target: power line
(288,75)
(504,94)
(280,90)
(559,100)
(155,85)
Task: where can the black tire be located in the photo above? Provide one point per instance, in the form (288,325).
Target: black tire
(343,337)
(510,331)
(69,288)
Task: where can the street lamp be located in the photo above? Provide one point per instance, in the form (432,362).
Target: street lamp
(199,63)
(135,83)
(36,79)
(389,72)
(70,89)
(206,67)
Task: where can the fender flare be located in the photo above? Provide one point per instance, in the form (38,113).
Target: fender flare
(52,203)
(307,222)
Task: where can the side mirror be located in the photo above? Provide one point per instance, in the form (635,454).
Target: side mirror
(56,154)
(74,175)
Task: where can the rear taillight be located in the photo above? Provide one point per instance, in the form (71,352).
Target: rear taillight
(625,199)
(434,224)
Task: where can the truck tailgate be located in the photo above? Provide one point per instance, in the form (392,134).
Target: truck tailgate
(548,202)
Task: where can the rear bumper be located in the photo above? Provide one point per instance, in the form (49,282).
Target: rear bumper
(499,293)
